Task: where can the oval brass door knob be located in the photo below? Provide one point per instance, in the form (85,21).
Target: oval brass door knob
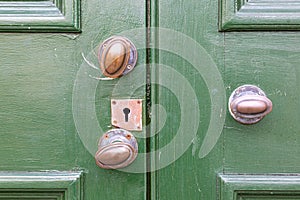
(117,148)
(248,104)
(117,56)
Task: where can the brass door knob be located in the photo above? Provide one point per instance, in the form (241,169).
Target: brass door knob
(117,148)
(248,104)
(117,56)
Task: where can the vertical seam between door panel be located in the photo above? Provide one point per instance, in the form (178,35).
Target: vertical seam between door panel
(148,99)
(224,78)
(152,95)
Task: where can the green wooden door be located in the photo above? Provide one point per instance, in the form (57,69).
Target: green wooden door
(257,43)
(55,102)
(45,45)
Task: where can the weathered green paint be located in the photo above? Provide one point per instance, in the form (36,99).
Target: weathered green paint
(38,73)
(266,59)
(271,145)
(37,76)
(189,177)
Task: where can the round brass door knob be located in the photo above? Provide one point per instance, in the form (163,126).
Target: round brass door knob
(117,56)
(117,148)
(248,104)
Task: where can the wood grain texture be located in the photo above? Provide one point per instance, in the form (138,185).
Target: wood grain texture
(102,19)
(37,76)
(269,60)
(266,59)
(33,102)
(189,177)
(38,72)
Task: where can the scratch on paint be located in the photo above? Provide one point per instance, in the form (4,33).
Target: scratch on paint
(70,36)
(195,142)
(278,92)
(102,79)
(197,181)
(88,62)
(230,127)
(94,67)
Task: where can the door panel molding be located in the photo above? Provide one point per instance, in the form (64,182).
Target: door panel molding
(40,16)
(253,186)
(41,185)
(243,15)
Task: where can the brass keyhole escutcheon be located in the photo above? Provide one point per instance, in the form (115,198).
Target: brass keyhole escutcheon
(117,56)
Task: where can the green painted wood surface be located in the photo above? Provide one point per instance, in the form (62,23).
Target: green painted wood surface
(270,146)
(38,72)
(37,75)
(189,177)
(266,59)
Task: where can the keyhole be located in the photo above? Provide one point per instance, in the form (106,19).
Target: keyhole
(126,112)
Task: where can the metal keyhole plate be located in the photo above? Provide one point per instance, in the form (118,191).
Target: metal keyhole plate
(127,114)
(117,148)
